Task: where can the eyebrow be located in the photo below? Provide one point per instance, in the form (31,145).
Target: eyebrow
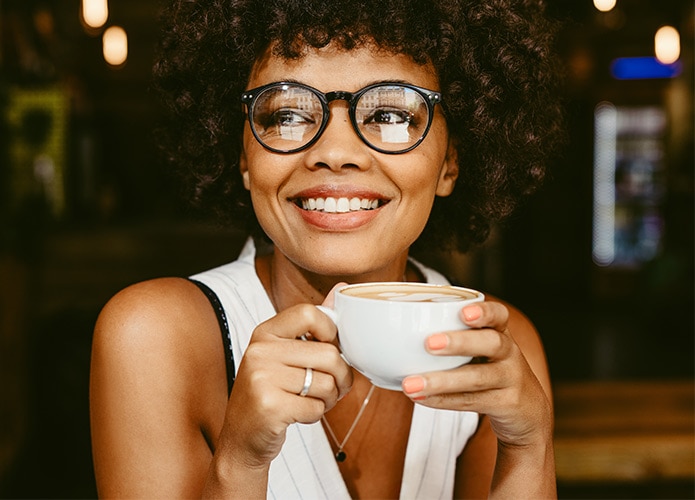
(373,82)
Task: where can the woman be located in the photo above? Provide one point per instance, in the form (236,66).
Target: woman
(350,132)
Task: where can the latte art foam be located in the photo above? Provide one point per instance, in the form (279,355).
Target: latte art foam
(410,293)
(419,297)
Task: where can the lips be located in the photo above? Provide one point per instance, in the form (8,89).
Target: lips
(334,205)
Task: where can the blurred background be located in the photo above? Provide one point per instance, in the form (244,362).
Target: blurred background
(601,260)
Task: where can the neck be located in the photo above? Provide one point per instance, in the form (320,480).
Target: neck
(288,284)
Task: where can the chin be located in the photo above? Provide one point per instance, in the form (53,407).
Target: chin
(349,265)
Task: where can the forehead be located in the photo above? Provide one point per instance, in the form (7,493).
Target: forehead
(333,68)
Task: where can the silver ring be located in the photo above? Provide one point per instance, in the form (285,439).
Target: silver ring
(308,378)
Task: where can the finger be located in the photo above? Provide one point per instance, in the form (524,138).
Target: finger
(486,314)
(275,405)
(315,384)
(485,342)
(294,354)
(500,396)
(465,379)
(274,390)
(297,321)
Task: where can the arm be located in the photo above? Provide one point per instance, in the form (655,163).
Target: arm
(162,425)
(152,406)
(527,469)
(511,454)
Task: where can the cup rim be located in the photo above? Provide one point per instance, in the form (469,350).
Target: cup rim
(477,293)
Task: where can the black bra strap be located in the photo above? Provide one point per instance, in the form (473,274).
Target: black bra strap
(224,328)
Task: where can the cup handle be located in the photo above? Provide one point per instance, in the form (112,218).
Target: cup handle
(330,313)
(334,318)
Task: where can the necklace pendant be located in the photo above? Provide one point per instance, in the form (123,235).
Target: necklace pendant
(340,455)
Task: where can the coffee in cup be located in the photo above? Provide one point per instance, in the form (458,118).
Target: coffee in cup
(382,327)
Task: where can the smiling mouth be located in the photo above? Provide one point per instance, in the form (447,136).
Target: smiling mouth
(338,205)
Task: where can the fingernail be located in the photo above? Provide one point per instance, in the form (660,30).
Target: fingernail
(411,385)
(471,313)
(437,341)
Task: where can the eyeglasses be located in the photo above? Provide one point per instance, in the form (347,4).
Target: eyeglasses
(392,118)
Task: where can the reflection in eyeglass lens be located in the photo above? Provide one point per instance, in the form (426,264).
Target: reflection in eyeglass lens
(387,117)
(393,115)
(289,114)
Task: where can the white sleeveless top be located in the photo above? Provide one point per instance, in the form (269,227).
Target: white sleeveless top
(306,467)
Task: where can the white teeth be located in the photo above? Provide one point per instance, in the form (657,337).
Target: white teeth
(339,205)
(330,205)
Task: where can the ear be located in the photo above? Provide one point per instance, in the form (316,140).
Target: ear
(243,168)
(449,172)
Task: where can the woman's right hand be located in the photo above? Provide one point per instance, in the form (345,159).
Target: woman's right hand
(265,399)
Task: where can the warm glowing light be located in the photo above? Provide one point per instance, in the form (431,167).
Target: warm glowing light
(604,5)
(95,12)
(115,43)
(667,44)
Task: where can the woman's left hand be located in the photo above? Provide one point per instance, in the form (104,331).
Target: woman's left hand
(499,382)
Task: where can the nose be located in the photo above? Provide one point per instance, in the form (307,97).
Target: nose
(339,146)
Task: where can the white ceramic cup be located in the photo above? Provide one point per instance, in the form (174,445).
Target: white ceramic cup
(382,327)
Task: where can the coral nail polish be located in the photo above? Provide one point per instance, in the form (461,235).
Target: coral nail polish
(437,341)
(411,385)
(471,313)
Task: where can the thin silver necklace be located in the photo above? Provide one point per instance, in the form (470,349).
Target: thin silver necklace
(340,455)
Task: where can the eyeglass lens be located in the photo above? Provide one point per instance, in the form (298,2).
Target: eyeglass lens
(388,117)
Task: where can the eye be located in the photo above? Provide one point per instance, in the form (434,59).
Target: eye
(388,116)
(286,117)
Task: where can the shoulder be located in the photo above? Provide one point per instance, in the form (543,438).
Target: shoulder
(162,331)
(153,301)
(155,311)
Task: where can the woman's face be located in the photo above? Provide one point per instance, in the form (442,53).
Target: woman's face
(366,242)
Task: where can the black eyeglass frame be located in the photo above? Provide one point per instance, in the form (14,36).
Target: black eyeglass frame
(431,98)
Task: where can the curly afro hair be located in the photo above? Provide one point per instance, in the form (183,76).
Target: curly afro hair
(496,67)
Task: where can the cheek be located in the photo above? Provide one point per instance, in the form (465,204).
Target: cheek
(261,185)
(257,167)
(264,200)
(423,172)
(435,158)
(265,177)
